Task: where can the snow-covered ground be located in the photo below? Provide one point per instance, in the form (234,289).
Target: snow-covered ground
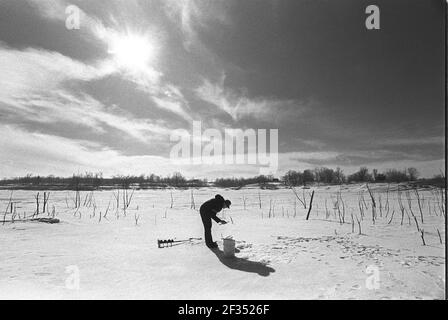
(281,255)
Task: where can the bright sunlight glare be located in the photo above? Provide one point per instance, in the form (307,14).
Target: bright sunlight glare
(131,51)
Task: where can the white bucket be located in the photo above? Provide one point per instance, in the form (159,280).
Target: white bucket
(229,247)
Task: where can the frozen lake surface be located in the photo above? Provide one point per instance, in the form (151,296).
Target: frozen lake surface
(281,255)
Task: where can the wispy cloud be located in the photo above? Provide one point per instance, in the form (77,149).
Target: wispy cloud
(47,154)
(146,77)
(34,87)
(191,15)
(33,70)
(413,142)
(43,154)
(56,10)
(239,106)
(356,158)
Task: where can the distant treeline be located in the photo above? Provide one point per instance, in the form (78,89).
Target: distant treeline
(89,181)
(240,182)
(322,175)
(336,176)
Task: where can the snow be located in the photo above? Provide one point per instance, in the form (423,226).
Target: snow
(280,257)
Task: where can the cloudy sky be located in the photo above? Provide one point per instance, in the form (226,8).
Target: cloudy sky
(107,97)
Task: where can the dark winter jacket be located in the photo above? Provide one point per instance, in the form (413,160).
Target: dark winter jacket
(210,208)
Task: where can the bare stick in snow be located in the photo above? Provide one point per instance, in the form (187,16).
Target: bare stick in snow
(192,204)
(359,225)
(422,234)
(298,197)
(373,203)
(440,237)
(419,204)
(392,216)
(353,223)
(408,195)
(311,206)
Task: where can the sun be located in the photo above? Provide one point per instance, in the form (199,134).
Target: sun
(132,52)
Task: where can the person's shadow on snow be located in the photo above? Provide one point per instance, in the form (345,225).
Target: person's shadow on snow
(243,264)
